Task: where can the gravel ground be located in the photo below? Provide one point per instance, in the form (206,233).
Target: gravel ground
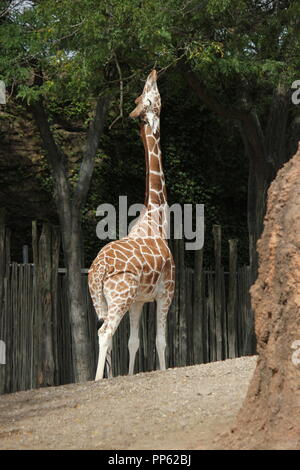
(181,408)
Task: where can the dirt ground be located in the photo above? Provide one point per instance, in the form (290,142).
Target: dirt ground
(181,408)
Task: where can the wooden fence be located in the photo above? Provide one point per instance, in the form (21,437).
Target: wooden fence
(210,318)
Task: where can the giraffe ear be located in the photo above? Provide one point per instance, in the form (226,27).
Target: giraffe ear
(137,111)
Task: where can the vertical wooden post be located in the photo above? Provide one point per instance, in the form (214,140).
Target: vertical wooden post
(198,352)
(37,328)
(28,291)
(144,334)
(182,308)
(7,311)
(239,316)
(93,327)
(3,326)
(210,307)
(171,322)
(176,337)
(2,255)
(189,314)
(218,290)
(232,299)
(224,315)
(249,333)
(25,254)
(152,356)
(205,328)
(55,249)
(45,257)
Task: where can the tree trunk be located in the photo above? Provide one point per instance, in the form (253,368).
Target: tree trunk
(259,178)
(270,416)
(81,347)
(266,150)
(69,202)
(266,154)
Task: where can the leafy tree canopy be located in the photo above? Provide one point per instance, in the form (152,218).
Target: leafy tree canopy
(70,52)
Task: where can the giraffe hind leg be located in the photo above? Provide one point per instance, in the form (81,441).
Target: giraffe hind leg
(105,335)
(118,304)
(104,347)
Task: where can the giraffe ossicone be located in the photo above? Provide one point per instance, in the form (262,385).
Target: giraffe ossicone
(137,268)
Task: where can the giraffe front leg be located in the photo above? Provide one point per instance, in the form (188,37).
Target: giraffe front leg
(161,313)
(161,348)
(134,341)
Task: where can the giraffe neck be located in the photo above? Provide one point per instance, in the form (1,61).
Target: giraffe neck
(155,194)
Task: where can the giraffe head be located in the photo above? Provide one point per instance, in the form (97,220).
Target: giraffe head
(148,103)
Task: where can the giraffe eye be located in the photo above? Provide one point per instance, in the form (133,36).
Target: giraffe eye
(150,103)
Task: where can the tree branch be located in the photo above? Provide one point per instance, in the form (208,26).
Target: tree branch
(55,158)
(249,121)
(209,100)
(87,165)
(276,144)
(121,94)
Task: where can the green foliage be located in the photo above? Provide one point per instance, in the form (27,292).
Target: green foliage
(29,94)
(75,44)
(67,52)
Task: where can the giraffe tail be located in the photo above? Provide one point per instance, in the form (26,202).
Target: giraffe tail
(95,281)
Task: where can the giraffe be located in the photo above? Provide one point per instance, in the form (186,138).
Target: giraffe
(138,268)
